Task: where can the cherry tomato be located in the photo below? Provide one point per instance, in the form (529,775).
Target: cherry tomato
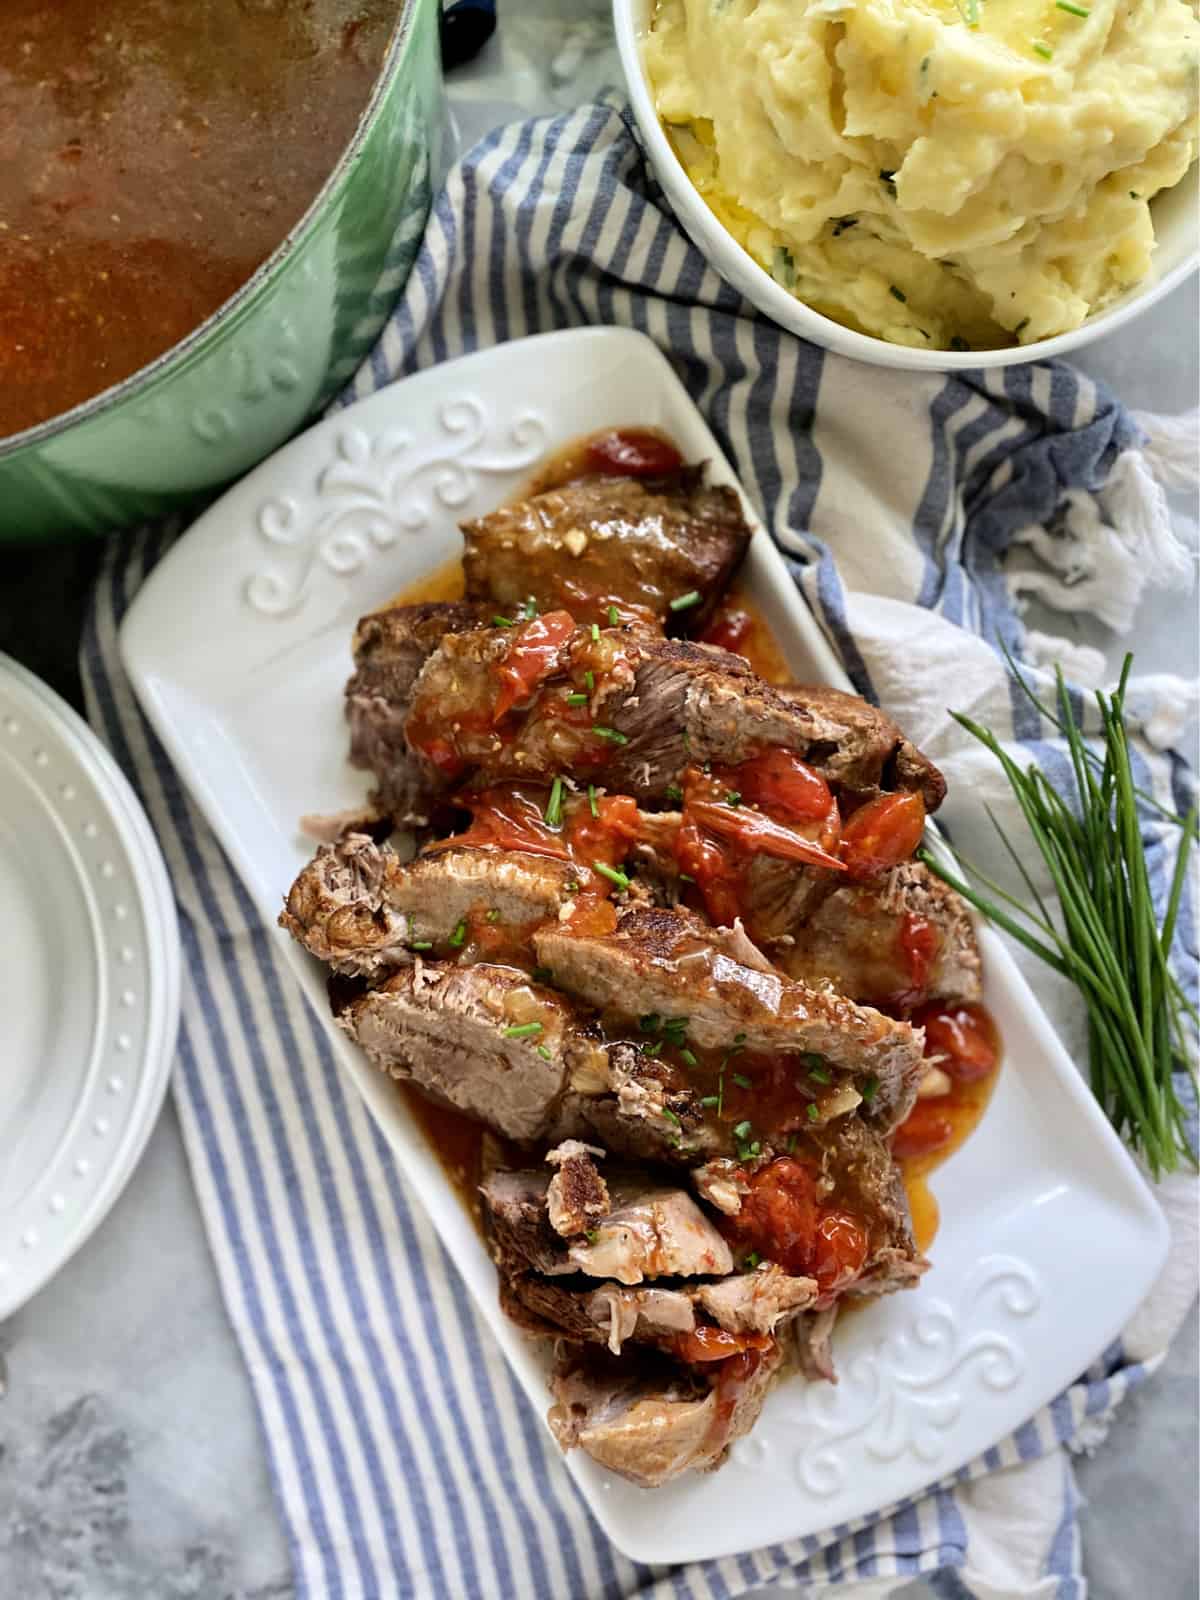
(964,1036)
(606,836)
(840,1249)
(919,947)
(758,835)
(717,875)
(716,1344)
(729,630)
(782,784)
(779,1216)
(883,833)
(532,655)
(632,453)
(926,1128)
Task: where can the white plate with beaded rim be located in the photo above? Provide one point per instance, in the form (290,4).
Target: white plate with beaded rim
(89,986)
(1049,1237)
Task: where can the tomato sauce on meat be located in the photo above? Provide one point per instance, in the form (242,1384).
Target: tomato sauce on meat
(152,156)
(771,1092)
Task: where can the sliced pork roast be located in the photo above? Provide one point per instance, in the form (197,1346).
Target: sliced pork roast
(390,647)
(357,906)
(482,1038)
(596,540)
(650,1419)
(655,707)
(900,941)
(669,964)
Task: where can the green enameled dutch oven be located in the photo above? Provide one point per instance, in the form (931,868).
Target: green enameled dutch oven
(245,379)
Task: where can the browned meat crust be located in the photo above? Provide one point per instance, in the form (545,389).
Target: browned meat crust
(647,541)
(671,963)
(390,648)
(357,906)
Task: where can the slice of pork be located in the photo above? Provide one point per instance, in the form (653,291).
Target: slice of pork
(651,1231)
(668,705)
(856,940)
(362,910)
(650,1420)
(669,962)
(758,1301)
(646,541)
(458,1033)
(390,647)
(577,1196)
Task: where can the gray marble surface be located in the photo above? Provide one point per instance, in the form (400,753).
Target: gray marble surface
(130,1462)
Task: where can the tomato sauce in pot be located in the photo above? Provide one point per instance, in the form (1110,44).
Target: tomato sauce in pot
(152,156)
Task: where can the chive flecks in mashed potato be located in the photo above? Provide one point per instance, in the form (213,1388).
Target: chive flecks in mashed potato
(921,170)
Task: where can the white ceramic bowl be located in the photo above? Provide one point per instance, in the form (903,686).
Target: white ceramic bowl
(1176,222)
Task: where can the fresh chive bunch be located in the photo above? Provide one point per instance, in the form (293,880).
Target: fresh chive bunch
(1108,941)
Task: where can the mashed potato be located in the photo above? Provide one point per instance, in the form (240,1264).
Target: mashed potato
(940,173)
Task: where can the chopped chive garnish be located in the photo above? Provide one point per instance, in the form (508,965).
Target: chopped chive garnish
(753,1149)
(531,609)
(1043,50)
(523,1030)
(686,877)
(502,622)
(733,798)
(459,936)
(742,1081)
(572,887)
(611,873)
(674,793)
(614,617)
(1069,5)
(650,1023)
(968,10)
(592,806)
(544,1053)
(553,814)
(670,1115)
(589,681)
(870,1088)
(421,944)
(739,1038)
(592,1235)
(710,1100)
(688,1058)
(814,1114)
(595,633)
(790,1143)
(492,916)
(742,1130)
(821,1074)
(897,294)
(577,699)
(653,1049)
(752,1260)
(613,735)
(684,602)
(542,975)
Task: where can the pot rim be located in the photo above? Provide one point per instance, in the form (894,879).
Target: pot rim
(144,377)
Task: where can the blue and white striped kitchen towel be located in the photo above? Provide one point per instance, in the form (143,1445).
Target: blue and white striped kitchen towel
(917,511)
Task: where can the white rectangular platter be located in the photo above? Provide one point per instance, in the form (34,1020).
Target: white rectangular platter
(238,647)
